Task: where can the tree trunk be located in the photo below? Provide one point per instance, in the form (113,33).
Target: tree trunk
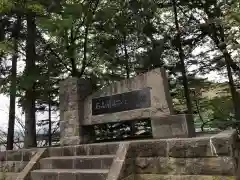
(181,56)
(234,94)
(11,120)
(71,52)
(49,108)
(30,119)
(228,61)
(126,57)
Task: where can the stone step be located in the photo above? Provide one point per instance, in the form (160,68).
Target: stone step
(69,174)
(186,166)
(181,177)
(77,162)
(12,166)
(88,149)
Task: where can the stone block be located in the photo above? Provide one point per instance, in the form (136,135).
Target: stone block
(77,162)
(207,146)
(172,126)
(81,150)
(72,140)
(186,166)
(91,176)
(60,163)
(103,148)
(46,175)
(12,166)
(85,149)
(93,162)
(19,155)
(181,177)
(73,91)
(130,177)
(148,148)
(66,175)
(69,150)
(55,151)
(69,174)
(215,145)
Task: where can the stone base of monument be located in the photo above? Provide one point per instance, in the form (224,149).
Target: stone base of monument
(87,136)
(171,126)
(73,140)
(163,127)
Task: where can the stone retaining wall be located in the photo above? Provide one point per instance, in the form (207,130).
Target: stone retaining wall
(216,155)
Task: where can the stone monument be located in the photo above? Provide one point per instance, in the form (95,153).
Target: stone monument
(145,96)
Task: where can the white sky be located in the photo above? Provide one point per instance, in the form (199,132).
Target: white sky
(4,108)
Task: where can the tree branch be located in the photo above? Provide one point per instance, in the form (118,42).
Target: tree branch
(48,46)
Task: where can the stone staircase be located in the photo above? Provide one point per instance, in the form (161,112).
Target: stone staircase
(74,165)
(165,159)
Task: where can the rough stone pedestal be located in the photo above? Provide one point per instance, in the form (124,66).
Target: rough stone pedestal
(73,91)
(173,126)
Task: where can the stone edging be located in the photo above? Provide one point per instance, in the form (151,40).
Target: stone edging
(117,168)
(32,165)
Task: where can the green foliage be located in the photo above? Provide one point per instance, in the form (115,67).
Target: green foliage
(6,5)
(113,40)
(36,7)
(6,47)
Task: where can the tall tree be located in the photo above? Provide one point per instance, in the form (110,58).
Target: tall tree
(182,63)
(30,74)
(13,78)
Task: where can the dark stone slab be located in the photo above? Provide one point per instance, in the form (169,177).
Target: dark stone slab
(122,102)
